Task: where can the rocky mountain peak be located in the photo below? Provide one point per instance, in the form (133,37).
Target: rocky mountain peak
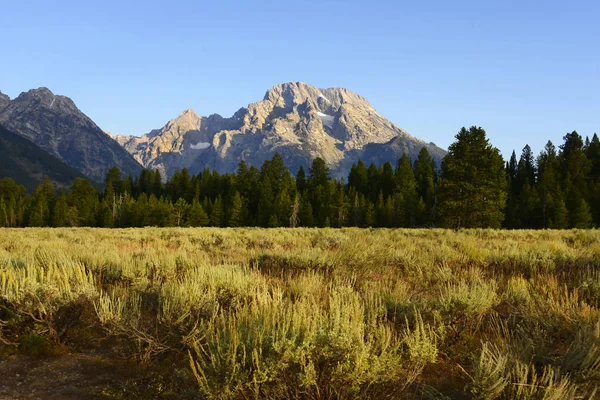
(44,98)
(56,125)
(295,119)
(187,120)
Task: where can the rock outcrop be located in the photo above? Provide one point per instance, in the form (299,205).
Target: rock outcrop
(4,101)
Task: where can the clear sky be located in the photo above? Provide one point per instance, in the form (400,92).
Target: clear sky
(526,71)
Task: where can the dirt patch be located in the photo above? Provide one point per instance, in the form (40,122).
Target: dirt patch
(69,376)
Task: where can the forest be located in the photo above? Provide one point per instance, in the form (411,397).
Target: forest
(473,187)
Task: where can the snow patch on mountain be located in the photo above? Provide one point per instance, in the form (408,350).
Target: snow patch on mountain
(327,120)
(323,97)
(200,146)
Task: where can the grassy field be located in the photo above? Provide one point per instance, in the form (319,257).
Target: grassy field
(309,313)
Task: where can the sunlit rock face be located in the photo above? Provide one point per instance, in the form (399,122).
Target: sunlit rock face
(297,120)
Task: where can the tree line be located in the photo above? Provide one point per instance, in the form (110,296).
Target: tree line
(560,188)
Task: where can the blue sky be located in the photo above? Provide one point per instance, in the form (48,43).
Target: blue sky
(526,71)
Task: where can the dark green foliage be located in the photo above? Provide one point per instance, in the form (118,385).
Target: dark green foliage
(217,214)
(476,189)
(197,216)
(473,183)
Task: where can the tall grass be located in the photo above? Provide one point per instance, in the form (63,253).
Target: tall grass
(318,313)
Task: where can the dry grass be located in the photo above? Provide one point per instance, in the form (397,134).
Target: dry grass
(318,313)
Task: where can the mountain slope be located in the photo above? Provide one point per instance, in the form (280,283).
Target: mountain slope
(299,121)
(56,125)
(27,164)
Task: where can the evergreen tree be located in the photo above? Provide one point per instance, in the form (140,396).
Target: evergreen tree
(373,182)
(388,181)
(180,210)
(84,197)
(581,216)
(42,203)
(407,186)
(574,168)
(306,212)
(593,155)
(320,190)
(216,217)
(60,216)
(473,183)
(236,212)
(425,177)
(358,178)
(197,216)
(552,204)
(301,180)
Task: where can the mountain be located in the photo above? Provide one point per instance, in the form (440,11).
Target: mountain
(57,126)
(4,101)
(27,164)
(299,121)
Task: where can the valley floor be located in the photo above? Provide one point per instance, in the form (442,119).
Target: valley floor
(299,313)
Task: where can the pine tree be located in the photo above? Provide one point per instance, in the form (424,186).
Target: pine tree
(425,177)
(581,216)
(84,197)
(197,216)
(60,216)
(552,205)
(306,212)
(301,180)
(473,183)
(406,184)
(180,209)
(216,217)
(593,155)
(574,168)
(369,214)
(358,178)
(236,213)
(42,203)
(388,181)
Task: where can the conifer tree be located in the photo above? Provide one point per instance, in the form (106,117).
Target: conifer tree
(473,183)
(197,216)
(593,155)
(301,180)
(84,197)
(407,186)
(574,168)
(306,212)
(60,216)
(425,177)
(180,210)
(552,204)
(236,212)
(216,216)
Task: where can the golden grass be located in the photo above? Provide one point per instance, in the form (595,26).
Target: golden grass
(321,313)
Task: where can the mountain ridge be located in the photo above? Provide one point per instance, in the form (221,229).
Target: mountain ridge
(27,163)
(298,120)
(55,124)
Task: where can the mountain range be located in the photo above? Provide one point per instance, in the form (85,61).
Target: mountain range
(58,127)
(297,120)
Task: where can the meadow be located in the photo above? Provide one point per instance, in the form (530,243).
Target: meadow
(251,313)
